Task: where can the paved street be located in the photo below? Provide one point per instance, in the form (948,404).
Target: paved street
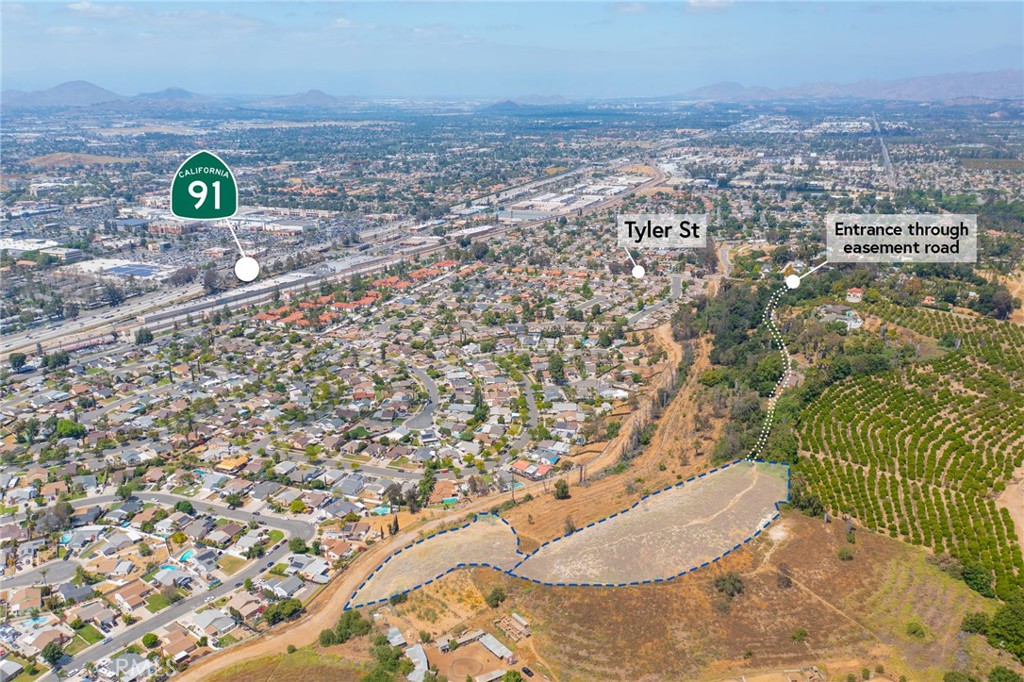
(292,527)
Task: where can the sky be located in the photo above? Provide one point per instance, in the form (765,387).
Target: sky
(497,49)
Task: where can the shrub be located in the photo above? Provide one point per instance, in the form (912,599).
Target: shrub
(976,622)
(845,553)
(150,640)
(915,629)
(730,584)
(1001,674)
(561,489)
(496,597)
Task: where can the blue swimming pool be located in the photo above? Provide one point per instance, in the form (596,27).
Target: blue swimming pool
(186,555)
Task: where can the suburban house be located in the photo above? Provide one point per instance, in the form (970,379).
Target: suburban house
(133,595)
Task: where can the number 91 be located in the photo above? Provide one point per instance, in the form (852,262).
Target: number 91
(197,190)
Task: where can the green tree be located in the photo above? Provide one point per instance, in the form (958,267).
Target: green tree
(1006,629)
(17,361)
(556,368)
(561,489)
(150,640)
(143,336)
(512,676)
(495,597)
(976,622)
(53,652)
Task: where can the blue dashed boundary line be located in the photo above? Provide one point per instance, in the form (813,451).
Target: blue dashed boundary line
(511,571)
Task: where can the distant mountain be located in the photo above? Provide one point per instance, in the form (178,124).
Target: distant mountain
(1008,84)
(70,94)
(312,98)
(728,91)
(177,94)
(542,100)
(505,106)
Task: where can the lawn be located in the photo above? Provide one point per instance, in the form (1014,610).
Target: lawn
(279,569)
(156,602)
(24,675)
(230,564)
(226,640)
(221,522)
(276,536)
(90,634)
(83,638)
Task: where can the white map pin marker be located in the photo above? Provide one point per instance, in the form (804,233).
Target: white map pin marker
(247,269)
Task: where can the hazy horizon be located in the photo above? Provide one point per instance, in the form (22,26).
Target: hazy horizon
(576,50)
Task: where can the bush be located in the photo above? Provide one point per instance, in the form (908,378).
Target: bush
(957,676)
(351,624)
(799,635)
(915,629)
(292,649)
(150,640)
(1006,629)
(282,610)
(976,622)
(978,579)
(561,489)
(496,597)
(1001,674)
(845,553)
(730,584)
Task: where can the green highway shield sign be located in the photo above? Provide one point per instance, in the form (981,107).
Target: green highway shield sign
(204,188)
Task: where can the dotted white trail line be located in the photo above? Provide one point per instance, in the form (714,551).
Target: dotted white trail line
(769,319)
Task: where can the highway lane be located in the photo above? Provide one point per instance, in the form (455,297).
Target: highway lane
(94,323)
(304,530)
(126,325)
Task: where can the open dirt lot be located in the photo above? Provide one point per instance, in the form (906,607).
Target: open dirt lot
(486,541)
(676,530)
(667,533)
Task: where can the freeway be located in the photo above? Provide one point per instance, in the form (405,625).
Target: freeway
(293,528)
(95,323)
(124,325)
(324,610)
